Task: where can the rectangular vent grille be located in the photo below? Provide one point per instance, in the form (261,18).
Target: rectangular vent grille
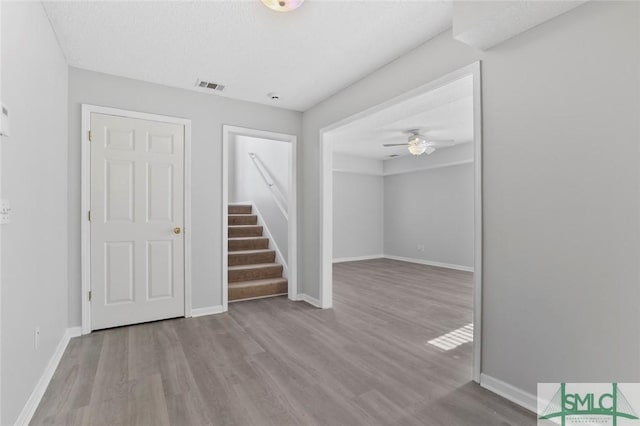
(208,85)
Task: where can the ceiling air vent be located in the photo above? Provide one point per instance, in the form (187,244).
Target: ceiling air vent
(211,86)
(393,156)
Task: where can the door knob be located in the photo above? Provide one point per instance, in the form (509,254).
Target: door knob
(177,230)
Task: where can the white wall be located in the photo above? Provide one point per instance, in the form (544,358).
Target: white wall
(561,185)
(357,164)
(458,154)
(432,209)
(246,183)
(207,113)
(424,201)
(34,180)
(358,215)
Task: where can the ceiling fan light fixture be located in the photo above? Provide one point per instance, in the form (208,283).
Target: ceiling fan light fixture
(417,139)
(417,148)
(283,5)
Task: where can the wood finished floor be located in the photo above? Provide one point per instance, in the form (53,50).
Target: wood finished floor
(277,362)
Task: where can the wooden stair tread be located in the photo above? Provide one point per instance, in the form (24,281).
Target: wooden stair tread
(268,287)
(239,209)
(254,266)
(245,231)
(242,219)
(250,256)
(252,251)
(236,244)
(247,238)
(257,283)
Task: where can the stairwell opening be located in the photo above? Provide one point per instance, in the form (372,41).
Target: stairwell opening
(259,223)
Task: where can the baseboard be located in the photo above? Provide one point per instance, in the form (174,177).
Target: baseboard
(32,403)
(209,310)
(507,391)
(430,263)
(310,300)
(358,258)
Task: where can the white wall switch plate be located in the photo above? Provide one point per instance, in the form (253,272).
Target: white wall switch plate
(5,212)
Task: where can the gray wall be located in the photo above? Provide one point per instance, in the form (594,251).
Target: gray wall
(561,185)
(358,215)
(34,180)
(246,183)
(432,209)
(207,113)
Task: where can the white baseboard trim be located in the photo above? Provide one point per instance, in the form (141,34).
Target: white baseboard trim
(430,263)
(32,403)
(358,258)
(209,310)
(310,300)
(510,392)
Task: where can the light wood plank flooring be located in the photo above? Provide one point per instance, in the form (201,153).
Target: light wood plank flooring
(277,362)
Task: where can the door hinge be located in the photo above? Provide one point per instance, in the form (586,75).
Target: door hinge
(89,295)
(90,135)
(89,215)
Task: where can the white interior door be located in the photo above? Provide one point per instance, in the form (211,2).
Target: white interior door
(137,213)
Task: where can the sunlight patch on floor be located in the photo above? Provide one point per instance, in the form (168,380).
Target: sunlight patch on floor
(453,339)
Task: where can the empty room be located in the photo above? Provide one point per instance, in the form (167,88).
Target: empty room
(317,212)
(404,239)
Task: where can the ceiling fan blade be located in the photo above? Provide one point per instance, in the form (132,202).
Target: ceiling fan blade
(441,142)
(395,144)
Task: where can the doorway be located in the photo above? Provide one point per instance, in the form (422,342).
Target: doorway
(260,209)
(327,140)
(135,198)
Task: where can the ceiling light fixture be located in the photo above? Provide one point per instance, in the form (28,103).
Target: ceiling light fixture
(417,144)
(283,5)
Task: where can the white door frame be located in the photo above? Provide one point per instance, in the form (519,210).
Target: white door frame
(85,201)
(292,261)
(326,201)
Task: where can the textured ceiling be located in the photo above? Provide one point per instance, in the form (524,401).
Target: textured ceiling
(443,113)
(304,56)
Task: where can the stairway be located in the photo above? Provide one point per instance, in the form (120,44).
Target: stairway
(253,271)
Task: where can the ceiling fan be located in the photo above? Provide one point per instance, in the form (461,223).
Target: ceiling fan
(418,144)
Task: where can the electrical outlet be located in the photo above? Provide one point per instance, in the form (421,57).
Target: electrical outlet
(36,337)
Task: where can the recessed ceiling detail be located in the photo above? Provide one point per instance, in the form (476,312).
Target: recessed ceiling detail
(305,56)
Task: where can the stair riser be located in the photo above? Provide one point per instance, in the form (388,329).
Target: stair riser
(258,291)
(251,259)
(243,220)
(255,273)
(239,210)
(253,231)
(253,244)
